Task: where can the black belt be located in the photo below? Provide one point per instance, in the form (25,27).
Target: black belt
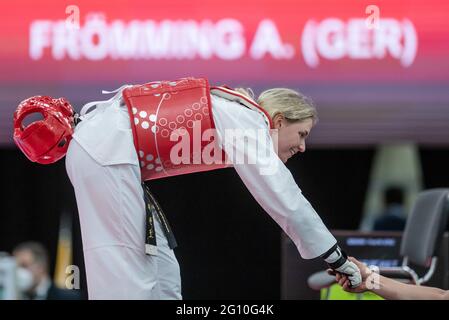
(152,207)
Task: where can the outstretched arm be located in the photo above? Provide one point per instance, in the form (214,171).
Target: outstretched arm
(250,149)
(245,138)
(391,289)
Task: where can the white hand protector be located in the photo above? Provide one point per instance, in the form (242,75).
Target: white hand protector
(349,268)
(338,261)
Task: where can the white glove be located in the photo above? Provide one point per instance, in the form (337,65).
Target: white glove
(352,271)
(338,261)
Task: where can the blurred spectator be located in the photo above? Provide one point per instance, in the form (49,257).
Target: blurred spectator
(33,257)
(393,217)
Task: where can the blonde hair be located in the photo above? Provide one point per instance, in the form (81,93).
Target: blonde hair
(293,105)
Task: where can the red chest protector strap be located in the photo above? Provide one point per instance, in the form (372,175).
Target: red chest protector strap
(232,95)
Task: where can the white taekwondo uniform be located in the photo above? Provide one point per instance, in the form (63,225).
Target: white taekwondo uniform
(103,167)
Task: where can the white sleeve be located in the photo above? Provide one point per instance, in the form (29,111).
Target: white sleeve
(268,179)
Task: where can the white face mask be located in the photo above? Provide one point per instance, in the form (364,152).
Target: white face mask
(24,279)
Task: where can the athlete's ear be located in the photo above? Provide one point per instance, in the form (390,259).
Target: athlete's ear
(278,120)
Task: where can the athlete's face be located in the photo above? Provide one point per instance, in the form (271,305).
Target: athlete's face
(291,136)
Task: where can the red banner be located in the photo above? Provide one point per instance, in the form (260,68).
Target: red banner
(251,41)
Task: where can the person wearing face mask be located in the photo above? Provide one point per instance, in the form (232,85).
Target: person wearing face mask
(33,276)
(141,134)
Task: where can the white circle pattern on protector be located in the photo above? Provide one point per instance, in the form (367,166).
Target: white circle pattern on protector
(143,114)
(165,133)
(172,125)
(180,119)
(163,121)
(150,165)
(151,162)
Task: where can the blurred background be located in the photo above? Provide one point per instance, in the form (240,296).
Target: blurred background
(379,76)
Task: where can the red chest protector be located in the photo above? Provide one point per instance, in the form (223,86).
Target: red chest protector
(168,115)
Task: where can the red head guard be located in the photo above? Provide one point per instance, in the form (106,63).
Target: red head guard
(44,141)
